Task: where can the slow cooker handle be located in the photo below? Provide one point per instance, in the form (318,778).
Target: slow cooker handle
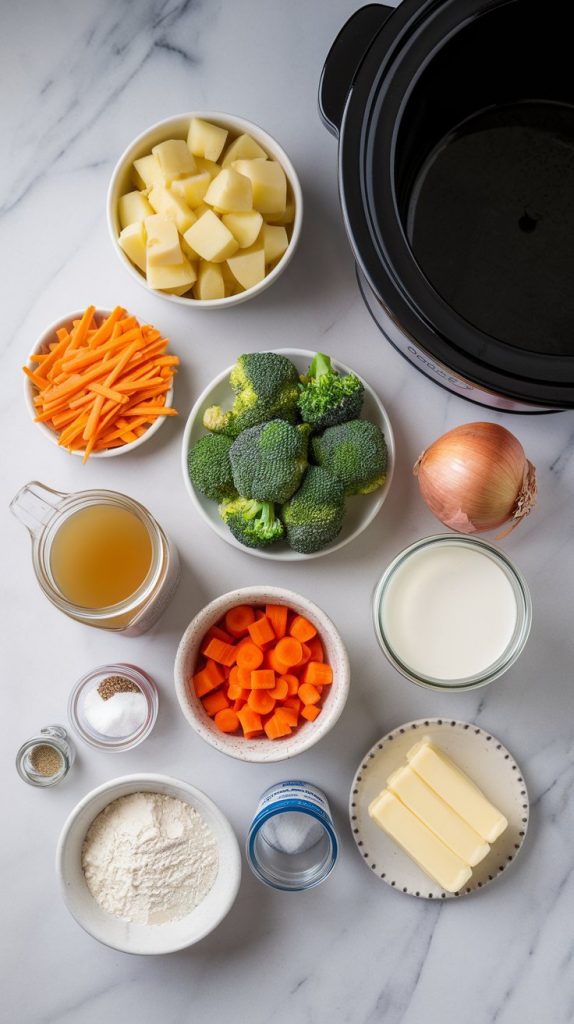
(344,59)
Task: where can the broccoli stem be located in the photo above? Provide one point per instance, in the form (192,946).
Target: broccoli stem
(320,366)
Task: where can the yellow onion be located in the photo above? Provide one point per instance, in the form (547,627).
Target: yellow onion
(476,478)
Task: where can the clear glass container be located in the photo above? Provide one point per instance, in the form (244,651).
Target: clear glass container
(43,511)
(33,770)
(292,844)
(512,648)
(91,681)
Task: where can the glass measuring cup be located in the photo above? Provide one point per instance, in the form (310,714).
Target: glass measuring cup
(43,511)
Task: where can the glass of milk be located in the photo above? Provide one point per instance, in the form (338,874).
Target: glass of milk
(452,612)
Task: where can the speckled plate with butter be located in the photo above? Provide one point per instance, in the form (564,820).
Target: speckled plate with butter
(484,759)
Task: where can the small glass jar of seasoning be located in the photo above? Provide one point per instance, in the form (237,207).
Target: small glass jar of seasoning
(46,759)
(292,844)
(114,707)
(452,612)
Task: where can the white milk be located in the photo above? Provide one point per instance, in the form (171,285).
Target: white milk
(449,612)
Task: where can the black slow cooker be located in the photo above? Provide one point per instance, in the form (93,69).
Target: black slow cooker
(456,167)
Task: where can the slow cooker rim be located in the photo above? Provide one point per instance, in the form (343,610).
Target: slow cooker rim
(387,50)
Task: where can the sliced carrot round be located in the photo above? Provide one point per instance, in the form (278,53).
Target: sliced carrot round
(289,651)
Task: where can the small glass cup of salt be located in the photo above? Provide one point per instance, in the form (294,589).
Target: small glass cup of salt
(292,844)
(45,759)
(114,707)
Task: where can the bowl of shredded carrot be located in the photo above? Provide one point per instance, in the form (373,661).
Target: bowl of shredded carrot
(99,383)
(262,674)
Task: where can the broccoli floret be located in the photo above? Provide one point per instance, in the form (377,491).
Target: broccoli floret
(327,397)
(313,517)
(209,467)
(354,452)
(251,522)
(268,461)
(266,387)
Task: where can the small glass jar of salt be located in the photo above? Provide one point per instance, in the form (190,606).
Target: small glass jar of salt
(114,707)
(292,844)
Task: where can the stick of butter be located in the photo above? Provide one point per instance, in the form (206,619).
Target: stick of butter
(438,816)
(429,852)
(456,789)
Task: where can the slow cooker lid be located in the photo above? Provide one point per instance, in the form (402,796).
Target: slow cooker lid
(378,176)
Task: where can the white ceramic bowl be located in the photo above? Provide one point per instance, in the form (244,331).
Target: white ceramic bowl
(260,749)
(139,938)
(177,127)
(41,346)
(360,509)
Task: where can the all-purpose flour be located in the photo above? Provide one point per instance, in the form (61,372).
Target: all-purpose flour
(149,858)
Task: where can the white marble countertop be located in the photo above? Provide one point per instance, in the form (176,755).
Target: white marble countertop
(80,81)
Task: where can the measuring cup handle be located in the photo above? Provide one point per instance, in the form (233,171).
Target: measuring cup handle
(35,504)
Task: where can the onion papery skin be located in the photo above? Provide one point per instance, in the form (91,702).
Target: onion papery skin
(476,478)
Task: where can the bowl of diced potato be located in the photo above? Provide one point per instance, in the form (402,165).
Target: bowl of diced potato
(205,209)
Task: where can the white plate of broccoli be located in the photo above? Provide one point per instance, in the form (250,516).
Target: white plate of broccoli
(275,486)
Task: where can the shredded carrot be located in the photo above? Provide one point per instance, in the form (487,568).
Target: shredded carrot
(102,382)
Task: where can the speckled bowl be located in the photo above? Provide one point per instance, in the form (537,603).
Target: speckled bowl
(260,749)
(143,938)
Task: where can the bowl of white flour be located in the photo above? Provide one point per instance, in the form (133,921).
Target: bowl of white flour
(148,864)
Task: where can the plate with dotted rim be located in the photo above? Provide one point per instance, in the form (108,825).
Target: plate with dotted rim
(476,752)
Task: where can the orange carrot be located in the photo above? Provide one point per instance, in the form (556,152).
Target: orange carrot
(277,615)
(250,720)
(260,701)
(80,369)
(219,633)
(309,694)
(202,683)
(292,683)
(310,712)
(305,656)
(261,631)
(263,679)
(244,677)
(275,728)
(316,648)
(217,649)
(238,619)
(249,656)
(288,715)
(215,702)
(281,688)
(289,651)
(302,629)
(272,661)
(293,702)
(227,720)
(318,673)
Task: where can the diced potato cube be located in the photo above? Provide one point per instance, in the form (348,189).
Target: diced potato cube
(248,266)
(168,278)
(133,242)
(201,209)
(162,246)
(188,251)
(244,226)
(269,184)
(206,139)
(133,207)
(147,172)
(209,284)
(172,207)
(244,148)
(174,159)
(210,166)
(288,215)
(230,191)
(192,188)
(232,286)
(275,241)
(211,239)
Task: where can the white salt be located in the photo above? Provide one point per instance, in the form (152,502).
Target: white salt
(120,715)
(292,832)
